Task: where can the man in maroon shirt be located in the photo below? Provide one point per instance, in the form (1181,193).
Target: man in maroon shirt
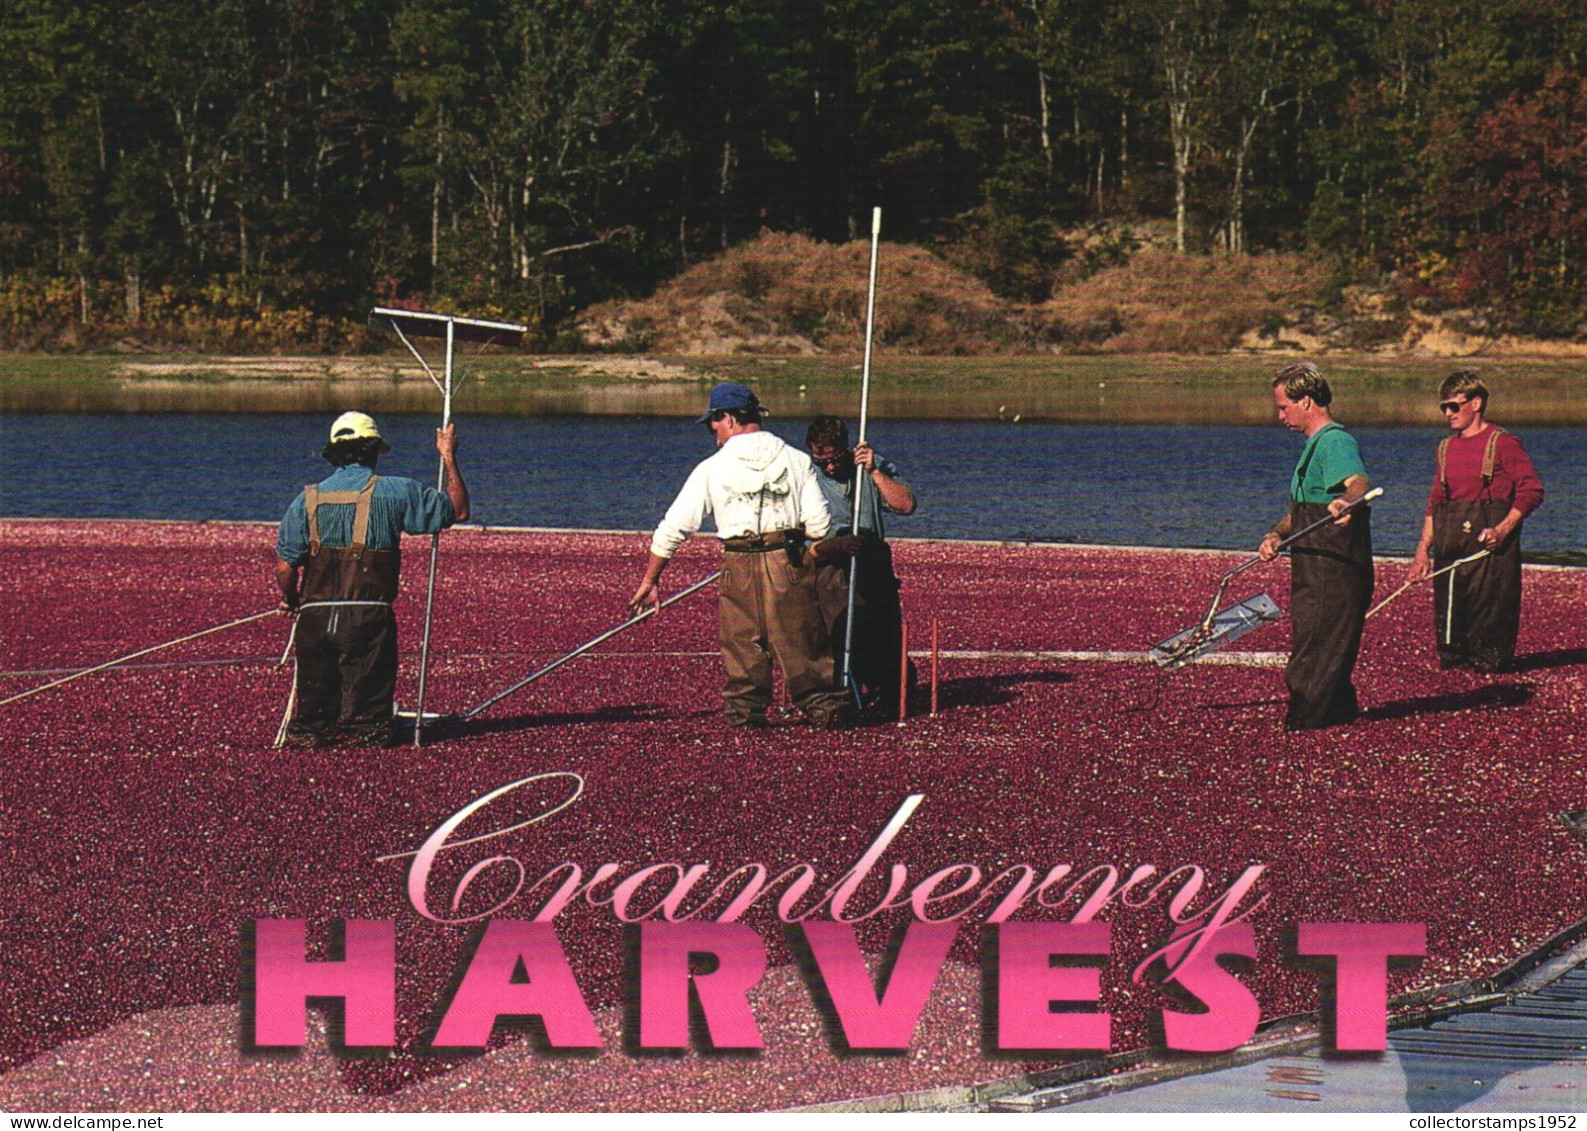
(1483,488)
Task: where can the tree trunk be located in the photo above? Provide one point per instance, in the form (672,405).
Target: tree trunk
(1179,133)
(1046,116)
(435,198)
(725,178)
(1237,193)
(1124,148)
(134,297)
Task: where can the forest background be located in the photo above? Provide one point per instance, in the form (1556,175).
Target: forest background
(254,174)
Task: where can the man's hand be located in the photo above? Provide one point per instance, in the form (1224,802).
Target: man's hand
(446,442)
(1268,550)
(287,583)
(1490,536)
(648,595)
(1340,509)
(865,456)
(1421,566)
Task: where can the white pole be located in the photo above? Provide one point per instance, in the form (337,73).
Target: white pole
(860,481)
(435,545)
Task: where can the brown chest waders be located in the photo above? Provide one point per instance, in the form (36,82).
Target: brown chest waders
(1330,591)
(1476,608)
(347,657)
(767,610)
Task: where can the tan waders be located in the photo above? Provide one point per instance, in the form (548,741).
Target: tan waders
(767,611)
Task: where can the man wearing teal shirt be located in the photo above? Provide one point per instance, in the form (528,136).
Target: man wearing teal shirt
(1331,568)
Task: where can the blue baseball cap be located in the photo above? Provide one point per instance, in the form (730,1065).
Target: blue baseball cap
(731,395)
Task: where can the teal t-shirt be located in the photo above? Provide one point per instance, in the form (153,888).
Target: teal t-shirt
(1328,459)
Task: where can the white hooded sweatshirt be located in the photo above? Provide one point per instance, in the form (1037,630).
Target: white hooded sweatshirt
(754,484)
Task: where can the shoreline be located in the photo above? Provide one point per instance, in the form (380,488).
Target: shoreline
(1097,389)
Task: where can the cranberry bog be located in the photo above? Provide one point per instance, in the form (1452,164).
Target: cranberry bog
(149,822)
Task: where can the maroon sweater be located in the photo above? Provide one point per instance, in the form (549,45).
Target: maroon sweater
(1514,478)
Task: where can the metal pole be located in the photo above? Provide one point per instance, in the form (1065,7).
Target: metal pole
(860,481)
(934,655)
(1223,583)
(903,674)
(583,648)
(435,547)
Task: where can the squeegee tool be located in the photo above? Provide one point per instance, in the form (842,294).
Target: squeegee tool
(1228,625)
(1214,632)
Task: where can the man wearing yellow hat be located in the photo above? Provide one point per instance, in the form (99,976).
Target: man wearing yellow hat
(344,534)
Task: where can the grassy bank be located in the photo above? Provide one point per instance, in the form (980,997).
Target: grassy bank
(1231,389)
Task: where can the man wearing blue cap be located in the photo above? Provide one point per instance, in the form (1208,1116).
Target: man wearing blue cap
(767,505)
(344,534)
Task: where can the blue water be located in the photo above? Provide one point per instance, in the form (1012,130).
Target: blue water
(1125,485)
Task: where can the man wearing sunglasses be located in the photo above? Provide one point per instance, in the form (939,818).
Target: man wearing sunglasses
(1484,486)
(763,497)
(878,616)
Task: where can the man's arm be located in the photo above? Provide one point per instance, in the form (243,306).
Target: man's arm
(1355,489)
(1528,491)
(1421,561)
(287,582)
(684,517)
(1491,536)
(1268,550)
(897,494)
(452,479)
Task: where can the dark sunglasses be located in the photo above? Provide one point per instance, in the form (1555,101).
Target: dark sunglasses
(1452,406)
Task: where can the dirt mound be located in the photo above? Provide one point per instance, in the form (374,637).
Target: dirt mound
(1122,290)
(785,293)
(1159,302)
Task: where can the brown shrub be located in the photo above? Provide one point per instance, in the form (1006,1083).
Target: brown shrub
(1159,302)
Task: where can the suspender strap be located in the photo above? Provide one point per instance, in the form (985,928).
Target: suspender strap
(1488,456)
(1489,460)
(361,499)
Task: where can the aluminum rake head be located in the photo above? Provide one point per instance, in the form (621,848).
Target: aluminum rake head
(1226,626)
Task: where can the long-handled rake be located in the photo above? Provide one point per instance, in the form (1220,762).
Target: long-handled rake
(408,324)
(583,648)
(1451,567)
(1219,628)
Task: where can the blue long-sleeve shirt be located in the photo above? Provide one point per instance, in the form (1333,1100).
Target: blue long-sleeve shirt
(400,506)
